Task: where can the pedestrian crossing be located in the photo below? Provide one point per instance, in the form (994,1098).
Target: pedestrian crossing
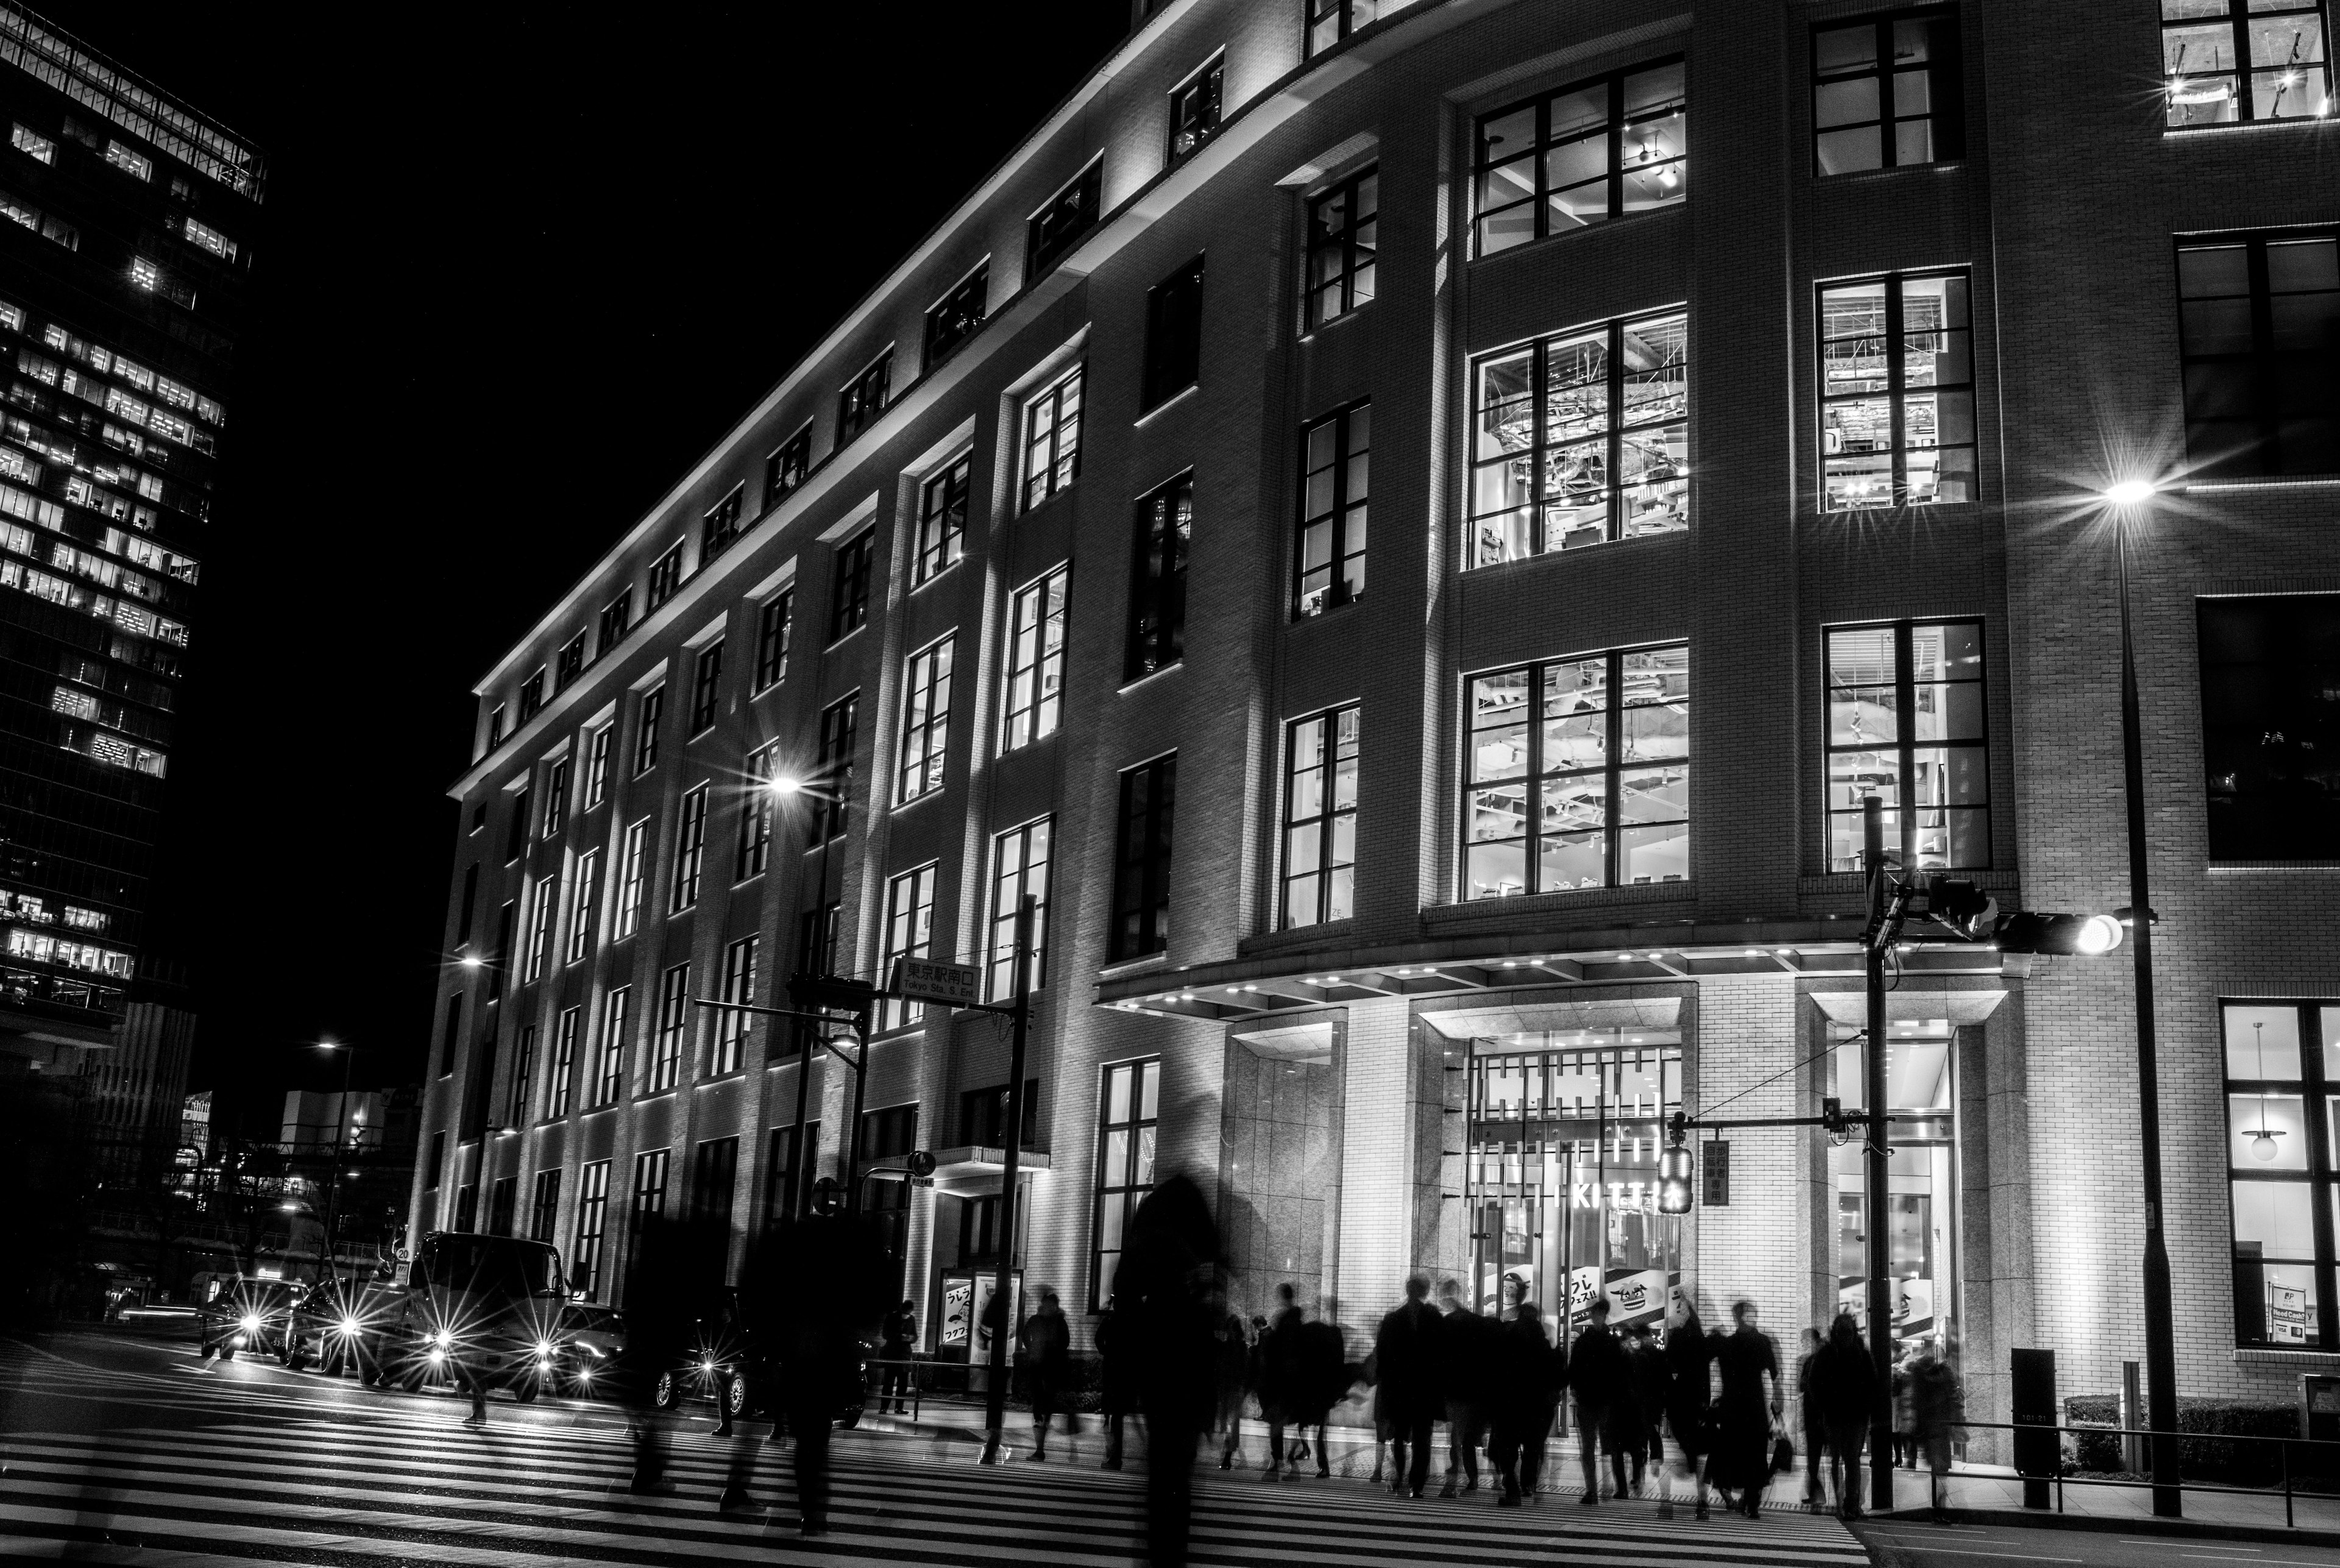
(401,1482)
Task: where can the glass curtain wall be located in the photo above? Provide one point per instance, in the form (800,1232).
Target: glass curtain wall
(1921,1182)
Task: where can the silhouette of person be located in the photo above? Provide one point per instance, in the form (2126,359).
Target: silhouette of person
(1528,1374)
(1406,1393)
(1043,1347)
(1602,1383)
(1117,1392)
(1169,1267)
(1742,1445)
(837,1291)
(1690,1359)
(901,1332)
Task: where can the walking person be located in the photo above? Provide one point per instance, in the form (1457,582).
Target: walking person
(1230,1366)
(1117,1393)
(836,1268)
(1044,1349)
(1406,1395)
(1745,1414)
(1690,1360)
(896,1334)
(657,1324)
(1528,1376)
(1905,1409)
(1169,1265)
(1324,1382)
(1279,1376)
(1808,1414)
(1599,1378)
(1939,1410)
(1649,1378)
(1465,1350)
(1847,1388)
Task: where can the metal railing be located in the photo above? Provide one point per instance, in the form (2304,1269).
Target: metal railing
(2284,1447)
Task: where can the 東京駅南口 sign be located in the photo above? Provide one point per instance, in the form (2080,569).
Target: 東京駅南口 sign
(927,981)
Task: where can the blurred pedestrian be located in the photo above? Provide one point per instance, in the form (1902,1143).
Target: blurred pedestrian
(1117,1390)
(1649,1378)
(1324,1380)
(1847,1392)
(1230,1370)
(897,1336)
(1940,1410)
(1529,1374)
(1169,1267)
(1279,1375)
(1814,1429)
(1601,1382)
(1745,1415)
(837,1287)
(1690,1359)
(1406,1395)
(1905,1407)
(1044,1349)
(657,1326)
(1465,1352)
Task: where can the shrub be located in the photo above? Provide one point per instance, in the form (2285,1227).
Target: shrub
(2205,1457)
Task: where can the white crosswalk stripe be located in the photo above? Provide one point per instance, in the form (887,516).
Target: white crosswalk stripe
(275,1478)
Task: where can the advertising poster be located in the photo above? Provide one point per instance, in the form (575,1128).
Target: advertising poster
(2286,1315)
(964,1298)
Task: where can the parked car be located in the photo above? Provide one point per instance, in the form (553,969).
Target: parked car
(728,1361)
(587,1347)
(245,1314)
(329,1326)
(487,1304)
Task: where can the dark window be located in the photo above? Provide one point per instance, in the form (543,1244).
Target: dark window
(1580,437)
(597,765)
(2271,725)
(707,686)
(1128,1104)
(516,830)
(1020,867)
(1320,819)
(689,849)
(1594,151)
(978,1230)
(733,1023)
(1330,21)
(556,798)
(467,1207)
(666,576)
(1344,237)
(1174,336)
(1141,871)
(1578,774)
(889,1134)
(592,1217)
(544,1205)
(848,599)
(1194,109)
(959,314)
(1157,580)
(1888,93)
(2260,329)
(650,1168)
(720,526)
(863,398)
(438,1161)
(839,723)
(1052,438)
(481,1082)
(1897,392)
(581,894)
(532,696)
(785,467)
(2206,45)
(503,1203)
(617,620)
(773,624)
(1904,706)
(816,939)
(756,816)
(631,861)
(507,928)
(570,663)
(495,726)
(926,720)
(479,816)
(646,731)
(1057,226)
(983,1115)
(783,1172)
(909,934)
(713,1175)
(516,1112)
(2282,1114)
(1036,660)
(451,1036)
(470,898)
(942,520)
(1328,557)
(610,1056)
(673,1025)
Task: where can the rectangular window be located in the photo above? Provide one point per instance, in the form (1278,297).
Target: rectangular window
(1036,660)
(1320,818)
(610,1056)
(580,905)
(983,1117)
(1579,774)
(1328,559)
(517,1115)
(840,722)
(909,934)
(1330,21)
(2283,1114)
(1020,865)
(784,1171)
(848,602)
(2209,46)
(209,238)
(128,162)
(32,144)
(570,663)
(496,726)
(592,1217)
(673,1025)
(787,465)
(2259,327)
(2270,671)
(816,939)
(1343,238)
(1897,392)
(713,1175)
(1128,1105)
(666,576)
(1059,224)
(1887,91)
(863,398)
(452,1035)
(556,799)
(707,686)
(531,695)
(889,1132)
(959,314)
(942,520)
(1594,151)
(629,895)
(926,720)
(438,1161)
(544,1206)
(689,849)
(617,620)
(1141,869)
(721,525)
(467,1205)
(1157,580)
(1904,706)
(565,1036)
(1194,109)
(471,899)
(739,986)
(646,729)
(1580,437)
(597,765)
(649,1184)
(1052,438)
(773,624)
(756,816)
(499,959)
(540,936)
(504,1199)
(1174,337)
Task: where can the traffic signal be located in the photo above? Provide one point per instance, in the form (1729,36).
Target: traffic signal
(1966,911)
(1838,1124)
(824,991)
(1674,1169)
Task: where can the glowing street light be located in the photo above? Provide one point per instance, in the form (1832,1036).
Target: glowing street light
(786,784)
(2131,493)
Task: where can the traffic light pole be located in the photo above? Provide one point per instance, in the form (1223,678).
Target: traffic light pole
(1877,1159)
(995,1399)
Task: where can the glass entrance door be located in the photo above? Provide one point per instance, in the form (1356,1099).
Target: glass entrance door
(1921,1187)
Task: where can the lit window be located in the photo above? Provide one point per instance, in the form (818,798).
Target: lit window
(1343,240)
(128,162)
(1128,1103)
(959,314)
(1330,21)
(1194,109)
(1020,865)
(2206,45)
(785,467)
(773,624)
(631,873)
(1320,819)
(564,1059)
(580,912)
(689,849)
(1897,392)
(1052,439)
(1580,437)
(1887,93)
(739,986)
(649,1184)
(909,934)
(31,143)
(210,239)
(863,398)
(942,520)
(1059,224)
(1036,660)
(2283,1113)
(144,273)
(1141,872)
(1578,774)
(1328,558)
(609,1057)
(756,816)
(1157,580)
(539,940)
(1597,150)
(1905,705)
(673,1024)
(2259,329)
(926,720)
(597,765)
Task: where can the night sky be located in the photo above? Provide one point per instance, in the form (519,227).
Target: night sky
(521,269)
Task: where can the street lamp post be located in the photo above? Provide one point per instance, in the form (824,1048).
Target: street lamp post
(799,1190)
(340,1136)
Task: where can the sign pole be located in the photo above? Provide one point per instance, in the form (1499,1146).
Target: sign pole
(995,1408)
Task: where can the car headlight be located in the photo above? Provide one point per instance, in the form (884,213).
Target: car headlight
(544,1347)
(436,1355)
(444,1339)
(250,1322)
(351,1325)
(707,1366)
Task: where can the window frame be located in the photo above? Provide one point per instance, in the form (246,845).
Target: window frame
(546,915)
(599,746)
(950,323)
(2261,729)
(909,933)
(1898,391)
(690,849)
(671,1042)
(617,620)
(1907,809)
(1615,171)
(754,856)
(592,1228)
(1156,637)
(609,1051)
(1009,883)
(1199,128)
(865,397)
(787,465)
(1049,473)
(2317,1090)
(706,689)
(1346,18)
(1030,709)
(1355,252)
(1056,227)
(722,524)
(569,663)
(775,625)
(2271,373)
(1336,593)
(633,875)
(583,887)
(2245,98)
(943,498)
(729,1051)
(544,1205)
(1127,1187)
(1144,854)
(1945,115)
(923,765)
(666,576)
(840,730)
(568,1026)
(1172,363)
(851,567)
(1323,756)
(647,713)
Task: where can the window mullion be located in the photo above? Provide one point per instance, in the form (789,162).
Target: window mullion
(1895,383)
(1543,228)
(1905,698)
(2315,1125)
(2266,374)
(1888,140)
(1611,782)
(1616,146)
(1616,393)
(1539,438)
(1531,799)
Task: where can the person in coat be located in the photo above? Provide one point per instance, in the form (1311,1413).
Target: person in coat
(1406,1396)
(1044,1349)
(1118,1392)
(1746,1413)
(1810,1422)
(1230,1369)
(1601,1382)
(1689,1361)
(1169,1271)
(896,1334)
(1529,1374)
(1844,1381)
(1939,1410)
(1648,1377)
(1280,1385)
(1466,1376)
(1324,1382)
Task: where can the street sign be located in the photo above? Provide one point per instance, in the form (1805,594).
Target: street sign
(1714,1164)
(927,980)
(827,1195)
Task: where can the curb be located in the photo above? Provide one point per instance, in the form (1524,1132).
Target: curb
(2174,1529)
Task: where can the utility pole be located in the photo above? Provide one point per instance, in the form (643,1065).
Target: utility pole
(995,1406)
(1877,1160)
